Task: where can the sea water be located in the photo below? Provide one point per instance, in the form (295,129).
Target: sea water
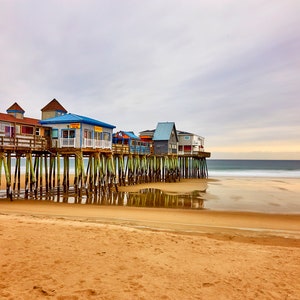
(227,167)
(253,168)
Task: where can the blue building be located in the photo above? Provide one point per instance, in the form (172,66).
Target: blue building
(75,131)
(128,142)
(165,139)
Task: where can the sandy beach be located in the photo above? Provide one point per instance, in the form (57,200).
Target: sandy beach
(74,251)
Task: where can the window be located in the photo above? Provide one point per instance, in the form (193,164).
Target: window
(7,131)
(68,133)
(47,132)
(54,133)
(97,136)
(106,136)
(18,129)
(187,137)
(2,127)
(37,131)
(72,134)
(27,130)
(87,134)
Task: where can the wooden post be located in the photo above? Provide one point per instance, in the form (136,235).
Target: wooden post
(17,174)
(66,179)
(58,176)
(26,175)
(1,161)
(41,176)
(76,178)
(68,173)
(96,176)
(50,171)
(8,176)
(7,165)
(46,175)
(65,175)
(36,169)
(32,175)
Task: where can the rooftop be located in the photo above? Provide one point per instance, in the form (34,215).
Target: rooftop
(16,108)
(163,131)
(73,118)
(13,119)
(54,105)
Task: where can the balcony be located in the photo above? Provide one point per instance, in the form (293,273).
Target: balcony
(23,142)
(86,143)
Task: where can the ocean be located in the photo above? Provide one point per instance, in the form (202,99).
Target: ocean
(253,168)
(233,168)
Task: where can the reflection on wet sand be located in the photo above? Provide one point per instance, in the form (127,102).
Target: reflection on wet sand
(149,197)
(145,197)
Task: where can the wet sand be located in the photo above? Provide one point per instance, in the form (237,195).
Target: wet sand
(74,251)
(266,195)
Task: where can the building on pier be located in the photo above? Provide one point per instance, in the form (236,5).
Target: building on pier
(49,147)
(165,139)
(189,143)
(128,142)
(53,109)
(147,135)
(75,131)
(18,132)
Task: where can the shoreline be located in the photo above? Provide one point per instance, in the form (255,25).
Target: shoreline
(245,194)
(161,219)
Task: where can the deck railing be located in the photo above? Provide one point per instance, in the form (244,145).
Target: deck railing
(102,144)
(87,143)
(23,142)
(133,149)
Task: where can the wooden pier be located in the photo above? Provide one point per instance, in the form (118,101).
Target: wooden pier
(67,154)
(32,171)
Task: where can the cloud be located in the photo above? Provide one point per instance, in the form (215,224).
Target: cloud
(227,71)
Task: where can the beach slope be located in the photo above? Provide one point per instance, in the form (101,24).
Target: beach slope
(68,251)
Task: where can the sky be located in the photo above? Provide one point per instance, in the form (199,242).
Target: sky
(225,70)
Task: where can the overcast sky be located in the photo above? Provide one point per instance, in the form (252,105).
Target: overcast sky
(225,70)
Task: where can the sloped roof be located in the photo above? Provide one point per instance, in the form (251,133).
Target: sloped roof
(54,105)
(163,131)
(126,135)
(13,119)
(73,118)
(131,135)
(179,132)
(184,132)
(16,108)
(147,132)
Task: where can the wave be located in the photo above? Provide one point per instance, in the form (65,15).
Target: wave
(255,173)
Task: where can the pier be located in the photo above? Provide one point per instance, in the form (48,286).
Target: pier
(43,174)
(66,154)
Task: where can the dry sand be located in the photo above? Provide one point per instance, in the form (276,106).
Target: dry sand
(73,251)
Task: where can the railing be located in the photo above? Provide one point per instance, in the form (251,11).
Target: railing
(87,143)
(195,151)
(102,144)
(67,142)
(140,149)
(200,153)
(133,149)
(120,149)
(27,142)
